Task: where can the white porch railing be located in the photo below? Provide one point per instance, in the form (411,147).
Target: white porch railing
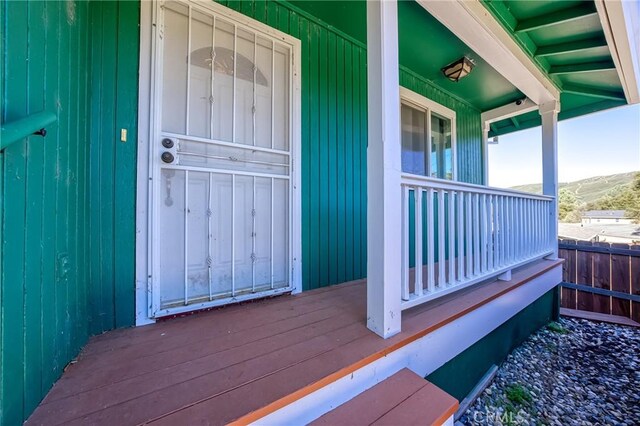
(456,234)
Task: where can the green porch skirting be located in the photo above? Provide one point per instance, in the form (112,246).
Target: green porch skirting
(460,375)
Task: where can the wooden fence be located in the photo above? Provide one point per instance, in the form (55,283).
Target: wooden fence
(601,277)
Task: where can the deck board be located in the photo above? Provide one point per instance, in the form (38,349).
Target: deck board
(245,360)
(431,401)
(120,365)
(373,404)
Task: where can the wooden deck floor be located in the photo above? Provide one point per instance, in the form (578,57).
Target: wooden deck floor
(242,361)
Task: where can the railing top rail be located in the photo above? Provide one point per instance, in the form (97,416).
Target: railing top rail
(428,182)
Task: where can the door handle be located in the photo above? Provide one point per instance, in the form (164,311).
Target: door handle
(167,157)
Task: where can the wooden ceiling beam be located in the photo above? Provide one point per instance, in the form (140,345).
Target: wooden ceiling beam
(570,47)
(594,92)
(555,18)
(582,68)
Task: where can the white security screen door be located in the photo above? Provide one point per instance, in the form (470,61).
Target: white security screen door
(221,169)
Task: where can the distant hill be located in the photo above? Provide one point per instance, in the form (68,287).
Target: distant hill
(587,190)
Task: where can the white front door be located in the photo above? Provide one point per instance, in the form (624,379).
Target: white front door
(222,159)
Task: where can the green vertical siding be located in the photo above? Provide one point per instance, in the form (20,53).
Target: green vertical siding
(50,299)
(112,163)
(334,140)
(44,244)
(67,205)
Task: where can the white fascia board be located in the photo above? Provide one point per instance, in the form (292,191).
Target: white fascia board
(621,25)
(472,23)
(509,110)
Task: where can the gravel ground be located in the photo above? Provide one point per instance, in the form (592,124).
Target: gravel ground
(574,372)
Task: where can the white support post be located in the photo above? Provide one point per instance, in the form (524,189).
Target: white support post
(486,127)
(549,113)
(384,218)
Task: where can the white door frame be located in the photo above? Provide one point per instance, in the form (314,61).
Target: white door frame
(147,149)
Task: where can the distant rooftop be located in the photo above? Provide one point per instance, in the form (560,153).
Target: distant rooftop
(587,232)
(614,214)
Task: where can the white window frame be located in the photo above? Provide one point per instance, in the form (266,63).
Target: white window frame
(414,99)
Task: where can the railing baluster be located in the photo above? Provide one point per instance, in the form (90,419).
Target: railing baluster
(468,235)
(551,239)
(521,234)
(441,239)
(405,243)
(451,278)
(543,230)
(493,231)
(524,234)
(527,228)
(539,226)
(519,220)
(430,243)
(483,233)
(532,233)
(503,230)
(418,241)
(476,234)
(460,234)
(530,230)
(507,227)
(505,234)
(514,230)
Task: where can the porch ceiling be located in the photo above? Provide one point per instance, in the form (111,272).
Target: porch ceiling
(425,46)
(566,40)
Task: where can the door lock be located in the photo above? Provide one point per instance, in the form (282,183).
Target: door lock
(167,157)
(167,143)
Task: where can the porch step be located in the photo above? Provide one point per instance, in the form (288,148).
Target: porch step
(403,399)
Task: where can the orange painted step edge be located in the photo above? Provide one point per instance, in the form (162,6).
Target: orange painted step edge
(445,416)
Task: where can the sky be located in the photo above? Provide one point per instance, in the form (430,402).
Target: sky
(599,144)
